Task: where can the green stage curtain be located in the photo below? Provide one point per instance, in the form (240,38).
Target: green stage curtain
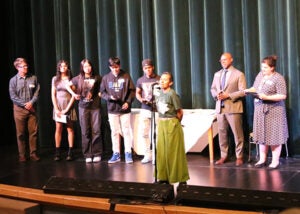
(185,37)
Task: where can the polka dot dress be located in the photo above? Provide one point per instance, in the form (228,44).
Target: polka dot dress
(270,122)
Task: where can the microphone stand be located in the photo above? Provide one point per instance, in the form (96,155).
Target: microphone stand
(153,132)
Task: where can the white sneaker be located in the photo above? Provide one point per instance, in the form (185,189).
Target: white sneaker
(97,159)
(145,160)
(88,160)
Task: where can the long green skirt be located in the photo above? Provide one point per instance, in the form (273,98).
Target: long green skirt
(171,157)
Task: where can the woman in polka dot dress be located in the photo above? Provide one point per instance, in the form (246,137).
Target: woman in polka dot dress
(270,128)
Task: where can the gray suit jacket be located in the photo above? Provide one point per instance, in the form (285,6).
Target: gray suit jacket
(236,83)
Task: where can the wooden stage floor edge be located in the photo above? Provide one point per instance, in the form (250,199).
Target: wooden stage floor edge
(102,204)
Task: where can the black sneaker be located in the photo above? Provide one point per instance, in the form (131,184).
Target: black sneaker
(70,156)
(163,182)
(57,155)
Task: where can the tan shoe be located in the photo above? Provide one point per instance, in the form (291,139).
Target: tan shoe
(220,161)
(34,157)
(22,159)
(239,162)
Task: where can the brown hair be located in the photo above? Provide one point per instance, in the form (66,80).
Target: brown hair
(18,61)
(270,60)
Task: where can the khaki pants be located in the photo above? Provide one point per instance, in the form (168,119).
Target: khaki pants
(26,129)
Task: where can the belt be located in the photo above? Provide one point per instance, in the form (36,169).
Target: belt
(19,106)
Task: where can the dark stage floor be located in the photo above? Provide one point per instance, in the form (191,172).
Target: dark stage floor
(285,179)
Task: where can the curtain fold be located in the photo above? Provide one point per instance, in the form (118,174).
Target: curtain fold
(185,37)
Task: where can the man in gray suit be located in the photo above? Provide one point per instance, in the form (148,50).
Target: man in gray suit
(228,90)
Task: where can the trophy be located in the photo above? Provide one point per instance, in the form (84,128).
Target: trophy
(88,90)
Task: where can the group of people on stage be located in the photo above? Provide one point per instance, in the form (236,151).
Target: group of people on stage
(270,129)
(118,90)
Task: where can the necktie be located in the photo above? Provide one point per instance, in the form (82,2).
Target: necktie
(223,81)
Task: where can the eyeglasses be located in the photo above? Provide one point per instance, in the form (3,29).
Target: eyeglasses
(223,60)
(24,66)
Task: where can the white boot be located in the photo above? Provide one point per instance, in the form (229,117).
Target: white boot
(263,151)
(147,157)
(276,151)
